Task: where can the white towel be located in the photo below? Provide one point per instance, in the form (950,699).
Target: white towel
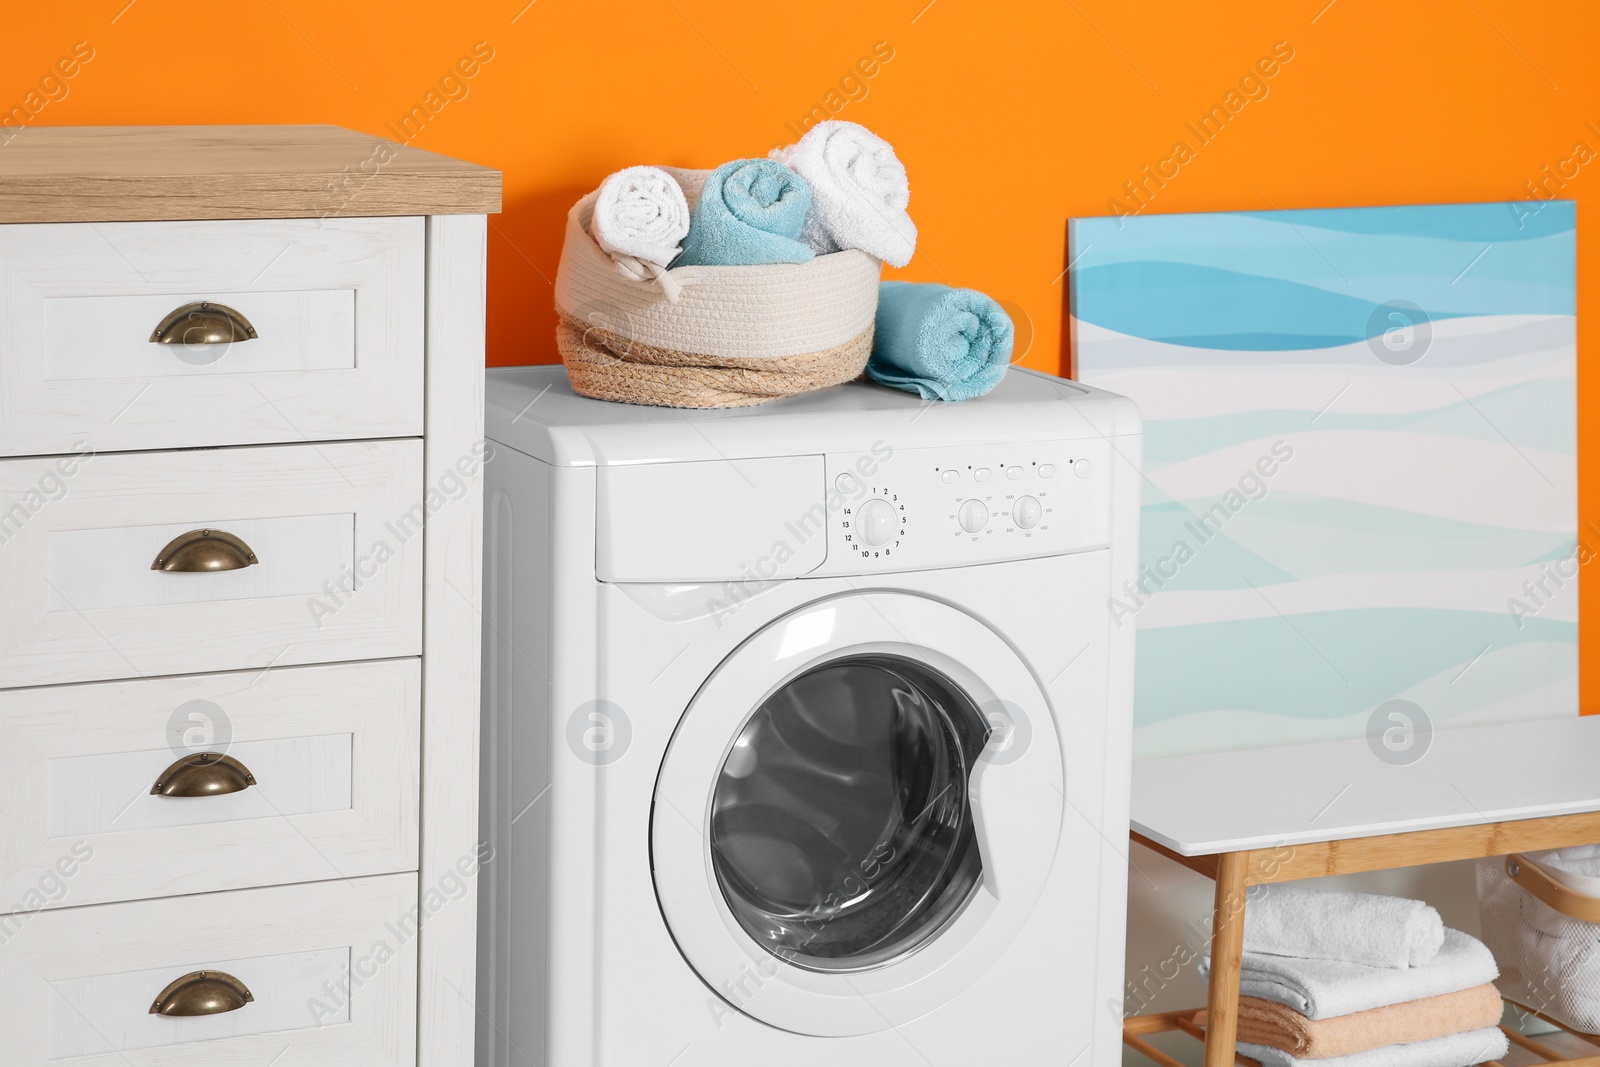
(640,220)
(1457,1050)
(1321,989)
(859,192)
(1581,860)
(1369,928)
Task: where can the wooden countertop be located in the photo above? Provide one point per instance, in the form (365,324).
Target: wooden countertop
(150,173)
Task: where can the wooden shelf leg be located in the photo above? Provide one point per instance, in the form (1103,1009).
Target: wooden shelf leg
(1227,950)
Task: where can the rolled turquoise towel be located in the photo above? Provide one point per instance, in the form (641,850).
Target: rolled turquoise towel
(750,212)
(939,342)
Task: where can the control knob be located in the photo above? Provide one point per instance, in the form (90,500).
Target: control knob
(974,516)
(876,523)
(1026,512)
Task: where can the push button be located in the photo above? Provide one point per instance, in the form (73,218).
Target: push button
(1047,470)
(846,483)
(983,474)
(950,477)
(1013,473)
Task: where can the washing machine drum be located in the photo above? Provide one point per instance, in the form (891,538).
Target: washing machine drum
(841,831)
(841,805)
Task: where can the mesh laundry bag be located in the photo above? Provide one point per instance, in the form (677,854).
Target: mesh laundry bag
(733,336)
(1548,961)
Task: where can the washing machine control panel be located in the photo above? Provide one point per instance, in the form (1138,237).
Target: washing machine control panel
(895,510)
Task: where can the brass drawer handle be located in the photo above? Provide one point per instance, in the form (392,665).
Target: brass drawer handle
(205,550)
(203,323)
(207,774)
(202,993)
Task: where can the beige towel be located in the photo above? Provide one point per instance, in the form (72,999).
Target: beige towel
(1266,1022)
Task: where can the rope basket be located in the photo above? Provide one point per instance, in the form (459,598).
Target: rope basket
(735,336)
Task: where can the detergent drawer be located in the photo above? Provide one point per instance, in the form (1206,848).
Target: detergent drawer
(723,520)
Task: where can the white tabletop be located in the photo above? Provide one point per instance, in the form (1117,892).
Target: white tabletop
(1336,790)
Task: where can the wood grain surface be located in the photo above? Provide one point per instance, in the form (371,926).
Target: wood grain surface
(154,173)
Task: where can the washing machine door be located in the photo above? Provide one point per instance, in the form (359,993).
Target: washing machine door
(857,814)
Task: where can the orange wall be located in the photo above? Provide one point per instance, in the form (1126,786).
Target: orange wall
(1010,116)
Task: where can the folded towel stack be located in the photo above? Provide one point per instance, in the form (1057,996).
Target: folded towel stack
(1369,928)
(1361,980)
(1327,988)
(1269,1023)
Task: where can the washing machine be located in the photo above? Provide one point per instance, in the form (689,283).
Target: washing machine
(807,728)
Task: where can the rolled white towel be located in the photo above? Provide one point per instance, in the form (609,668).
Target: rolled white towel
(1366,928)
(640,220)
(859,192)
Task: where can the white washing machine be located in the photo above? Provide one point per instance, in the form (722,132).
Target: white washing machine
(807,730)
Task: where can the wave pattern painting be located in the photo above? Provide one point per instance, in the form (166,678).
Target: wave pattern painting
(1360,459)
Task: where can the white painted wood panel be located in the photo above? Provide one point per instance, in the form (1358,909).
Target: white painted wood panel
(115,513)
(338,305)
(110,792)
(76,986)
(368,329)
(104,567)
(450,666)
(295,331)
(334,751)
(91,1015)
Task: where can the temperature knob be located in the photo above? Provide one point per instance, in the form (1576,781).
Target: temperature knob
(1026,512)
(974,516)
(876,523)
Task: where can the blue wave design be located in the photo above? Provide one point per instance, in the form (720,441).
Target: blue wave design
(1313,537)
(1495,221)
(1170,529)
(1538,414)
(1482,342)
(1563,551)
(1450,260)
(1261,342)
(1204,307)
(1325,665)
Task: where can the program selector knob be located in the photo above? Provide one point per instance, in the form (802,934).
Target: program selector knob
(876,522)
(1026,512)
(974,516)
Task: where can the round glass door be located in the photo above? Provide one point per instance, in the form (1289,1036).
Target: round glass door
(829,835)
(841,831)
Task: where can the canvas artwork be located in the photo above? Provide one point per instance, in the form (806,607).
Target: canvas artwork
(1360,494)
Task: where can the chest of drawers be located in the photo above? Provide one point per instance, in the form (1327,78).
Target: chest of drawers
(241,383)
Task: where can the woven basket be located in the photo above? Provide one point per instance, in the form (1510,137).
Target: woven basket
(736,335)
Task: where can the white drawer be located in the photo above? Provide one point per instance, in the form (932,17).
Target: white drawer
(331,753)
(337,307)
(335,528)
(331,968)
